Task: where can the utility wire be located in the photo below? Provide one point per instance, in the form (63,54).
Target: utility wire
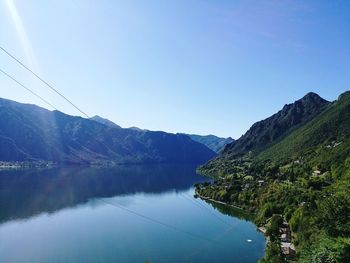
(42,80)
(205,208)
(48,85)
(216,239)
(157,222)
(28,89)
(45,101)
(48,103)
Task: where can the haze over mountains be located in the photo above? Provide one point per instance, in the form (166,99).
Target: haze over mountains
(32,133)
(213,142)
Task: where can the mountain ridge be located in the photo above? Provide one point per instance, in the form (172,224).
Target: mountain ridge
(213,142)
(105,121)
(32,133)
(265,132)
(298,185)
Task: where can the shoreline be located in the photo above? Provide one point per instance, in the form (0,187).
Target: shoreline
(260,229)
(218,202)
(7,165)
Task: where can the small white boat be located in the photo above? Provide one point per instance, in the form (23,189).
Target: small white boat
(249,240)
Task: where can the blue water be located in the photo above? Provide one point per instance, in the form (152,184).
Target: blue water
(123,214)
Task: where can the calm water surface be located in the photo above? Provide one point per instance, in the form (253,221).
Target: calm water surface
(126,214)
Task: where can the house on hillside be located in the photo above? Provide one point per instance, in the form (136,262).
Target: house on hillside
(337,144)
(298,162)
(261,182)
(288,249)
(302,204)
(333,144)
(316,173)
(285,235)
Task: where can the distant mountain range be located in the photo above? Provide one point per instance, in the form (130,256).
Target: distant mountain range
(32,133)
(211,141)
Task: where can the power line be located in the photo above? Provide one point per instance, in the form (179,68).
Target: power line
(157,222)
(216,239)
(28,89)
(48,103)
(205,208)
(47,84)
(42,80)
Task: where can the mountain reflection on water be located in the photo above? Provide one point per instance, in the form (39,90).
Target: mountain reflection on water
(28,192)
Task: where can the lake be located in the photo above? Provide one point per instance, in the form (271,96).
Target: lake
(124,214)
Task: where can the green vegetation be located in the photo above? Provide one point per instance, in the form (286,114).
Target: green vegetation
(301,180)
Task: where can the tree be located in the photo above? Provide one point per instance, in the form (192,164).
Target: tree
(328,250)
(335,214)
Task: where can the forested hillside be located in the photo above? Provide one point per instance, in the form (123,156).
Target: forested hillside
(297,186)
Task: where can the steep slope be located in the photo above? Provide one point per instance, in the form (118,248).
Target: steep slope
(31,133)
(213,142)
(299,185)
(266,132)
(326,138)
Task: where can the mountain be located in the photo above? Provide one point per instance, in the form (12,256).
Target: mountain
(30,192)
(31,133)
(297,182)
(211,141)
(264,133)
(137,129)
(105,121)
(325,138)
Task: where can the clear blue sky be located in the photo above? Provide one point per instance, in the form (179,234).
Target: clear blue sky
(205,67)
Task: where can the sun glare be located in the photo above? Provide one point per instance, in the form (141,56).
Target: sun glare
(21,33)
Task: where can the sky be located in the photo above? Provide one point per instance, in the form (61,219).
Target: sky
(202,67)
